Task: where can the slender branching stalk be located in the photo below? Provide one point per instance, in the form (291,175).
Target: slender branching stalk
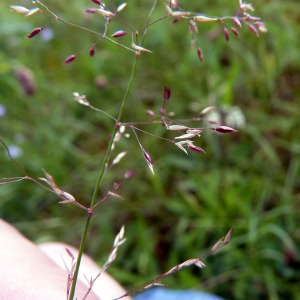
(185,134)
(100,176)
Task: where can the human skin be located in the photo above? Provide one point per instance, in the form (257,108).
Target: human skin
(35,272)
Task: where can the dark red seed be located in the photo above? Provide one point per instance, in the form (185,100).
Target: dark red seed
(147,157)
(129,173)
(167,93)
(196,149)
(175,20)
(70,59)
(90,10)
(97,2)
(92,51)
(253,29)
(119,33)
(200,53)
(234,31)
(224,129)
(226,33)
(34,32)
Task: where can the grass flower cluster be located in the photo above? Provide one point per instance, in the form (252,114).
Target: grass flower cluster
(120,26)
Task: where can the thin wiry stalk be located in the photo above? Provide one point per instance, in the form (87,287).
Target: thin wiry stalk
(100,177)
(103,167)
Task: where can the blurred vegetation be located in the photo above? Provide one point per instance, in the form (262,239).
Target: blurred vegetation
(248,180)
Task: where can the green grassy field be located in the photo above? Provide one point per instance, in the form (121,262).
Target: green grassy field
(248,180)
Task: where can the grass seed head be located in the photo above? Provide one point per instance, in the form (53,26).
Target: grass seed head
(92,51)
(207,110)
(193,27)
(226,33)
(253,29)
(70,58)
(19,9)
(237,22)
(167,93)
(224,129)
(196,148)
(205,19)
(150,112)
(129,174)
(245,6)
(169,10)
(119,33)
(34,32)
(200,264)
(177,127)
(179,14)
(32,12)
(174,3)
(105,13)
(90,10)
(139,48)
(70,253)
(234,31)
(148,160)
(261,26)
(121,7)
(200,53)
(97,2)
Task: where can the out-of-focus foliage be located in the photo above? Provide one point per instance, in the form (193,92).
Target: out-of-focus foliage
(248,180)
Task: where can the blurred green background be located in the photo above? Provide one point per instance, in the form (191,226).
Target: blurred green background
(248,180)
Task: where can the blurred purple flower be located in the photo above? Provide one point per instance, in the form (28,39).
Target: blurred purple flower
(47,34)
(2,110)
(15,151)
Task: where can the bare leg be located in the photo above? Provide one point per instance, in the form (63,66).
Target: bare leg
(27,272)
(105,286)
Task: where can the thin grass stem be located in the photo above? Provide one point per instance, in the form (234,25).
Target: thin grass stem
(100,177)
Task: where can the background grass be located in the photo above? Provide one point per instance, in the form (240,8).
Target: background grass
(248,180)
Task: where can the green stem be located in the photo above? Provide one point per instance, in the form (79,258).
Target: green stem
(103,167)
(100,177)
